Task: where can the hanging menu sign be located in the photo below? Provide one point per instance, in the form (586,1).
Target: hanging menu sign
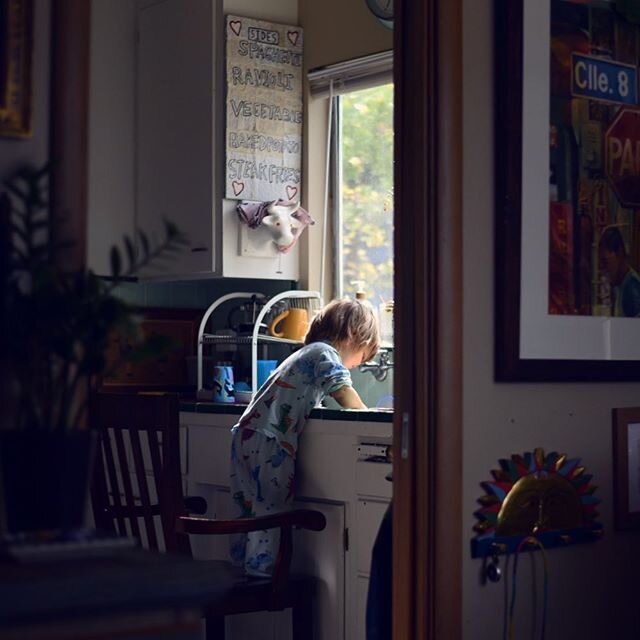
(264,110)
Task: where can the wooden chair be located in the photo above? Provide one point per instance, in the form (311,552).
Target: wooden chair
(129,476)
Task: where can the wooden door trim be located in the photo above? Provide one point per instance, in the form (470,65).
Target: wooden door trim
(428,283)
(70,59)
(427,517)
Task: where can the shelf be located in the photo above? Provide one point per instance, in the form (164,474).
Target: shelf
(213,338)
(275,340)
(309,300)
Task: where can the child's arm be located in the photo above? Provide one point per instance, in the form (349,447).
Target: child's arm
(348,398)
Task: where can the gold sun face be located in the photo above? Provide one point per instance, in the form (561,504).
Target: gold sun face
(534,494)
(539,503)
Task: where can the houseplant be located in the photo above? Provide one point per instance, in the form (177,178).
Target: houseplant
(54,328)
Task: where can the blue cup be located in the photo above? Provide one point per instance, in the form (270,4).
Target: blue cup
(223,383)
(264,369)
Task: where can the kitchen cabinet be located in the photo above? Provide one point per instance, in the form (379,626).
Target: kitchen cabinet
(181,141)
(177,137)
(341,471)
(111,130)
(156,139)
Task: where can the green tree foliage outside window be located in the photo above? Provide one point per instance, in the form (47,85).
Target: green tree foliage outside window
(367,191)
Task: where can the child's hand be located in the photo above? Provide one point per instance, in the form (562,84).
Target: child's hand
(348,398)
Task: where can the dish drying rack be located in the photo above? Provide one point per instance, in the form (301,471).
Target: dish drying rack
(310,300)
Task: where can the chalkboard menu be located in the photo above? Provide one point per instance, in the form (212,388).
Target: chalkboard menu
(264,110)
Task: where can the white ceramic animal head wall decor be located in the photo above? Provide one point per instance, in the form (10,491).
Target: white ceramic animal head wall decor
(284,220)
(282,224)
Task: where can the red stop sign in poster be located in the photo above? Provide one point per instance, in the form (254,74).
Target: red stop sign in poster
(622,142)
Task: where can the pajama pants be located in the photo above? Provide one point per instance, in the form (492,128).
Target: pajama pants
(262,476)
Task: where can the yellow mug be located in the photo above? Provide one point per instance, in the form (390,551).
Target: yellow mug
(294,324)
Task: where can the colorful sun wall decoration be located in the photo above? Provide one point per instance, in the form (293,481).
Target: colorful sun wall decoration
(547,496)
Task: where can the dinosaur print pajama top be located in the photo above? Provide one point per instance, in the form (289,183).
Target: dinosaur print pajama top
(265,444)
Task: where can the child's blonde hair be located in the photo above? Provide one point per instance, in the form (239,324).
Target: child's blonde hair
(346,322)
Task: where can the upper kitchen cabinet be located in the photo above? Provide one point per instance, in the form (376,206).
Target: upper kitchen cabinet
(111,159)
(177,131)
(157,137)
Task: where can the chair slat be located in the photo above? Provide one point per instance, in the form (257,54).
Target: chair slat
(126,479)
(158,474)
(113,480)
(100,494)
(141,475)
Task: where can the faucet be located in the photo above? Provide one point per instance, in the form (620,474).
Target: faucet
(380,369)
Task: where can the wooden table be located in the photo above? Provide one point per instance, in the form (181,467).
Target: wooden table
(132,594)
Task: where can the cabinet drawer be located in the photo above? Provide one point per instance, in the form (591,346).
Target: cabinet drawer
(371,479)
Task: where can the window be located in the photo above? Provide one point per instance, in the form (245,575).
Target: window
(363,192)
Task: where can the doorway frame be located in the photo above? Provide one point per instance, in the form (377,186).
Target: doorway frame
(69,125)
(427,503)
(428,183)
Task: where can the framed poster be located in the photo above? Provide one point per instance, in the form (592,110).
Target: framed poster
(626,468)
(567,190)
(264,110)
(16,43)
(168,372)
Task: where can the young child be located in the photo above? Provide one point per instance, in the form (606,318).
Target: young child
(265,440)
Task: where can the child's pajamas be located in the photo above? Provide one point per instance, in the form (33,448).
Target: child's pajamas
(261,484)
(265,444)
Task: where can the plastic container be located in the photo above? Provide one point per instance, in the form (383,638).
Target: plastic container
(361,295)
(264,369)
(223,383)
(385,316)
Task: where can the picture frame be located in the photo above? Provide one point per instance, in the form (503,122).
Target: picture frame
(16,49)
(626,468)
(531,344)
(168,372)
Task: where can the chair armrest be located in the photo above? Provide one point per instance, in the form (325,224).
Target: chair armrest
(303,518)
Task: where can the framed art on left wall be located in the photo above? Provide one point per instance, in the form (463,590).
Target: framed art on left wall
(16,46)
(168,372)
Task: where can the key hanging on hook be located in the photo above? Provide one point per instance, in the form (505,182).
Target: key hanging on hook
(493,572)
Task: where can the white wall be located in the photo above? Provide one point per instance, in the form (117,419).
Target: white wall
(593,589)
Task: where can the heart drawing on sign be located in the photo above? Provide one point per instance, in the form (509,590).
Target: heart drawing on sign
(238,187)
(236,26)
(291,192)
(293,37)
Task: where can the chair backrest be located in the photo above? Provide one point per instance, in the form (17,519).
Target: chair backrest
(137,488)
